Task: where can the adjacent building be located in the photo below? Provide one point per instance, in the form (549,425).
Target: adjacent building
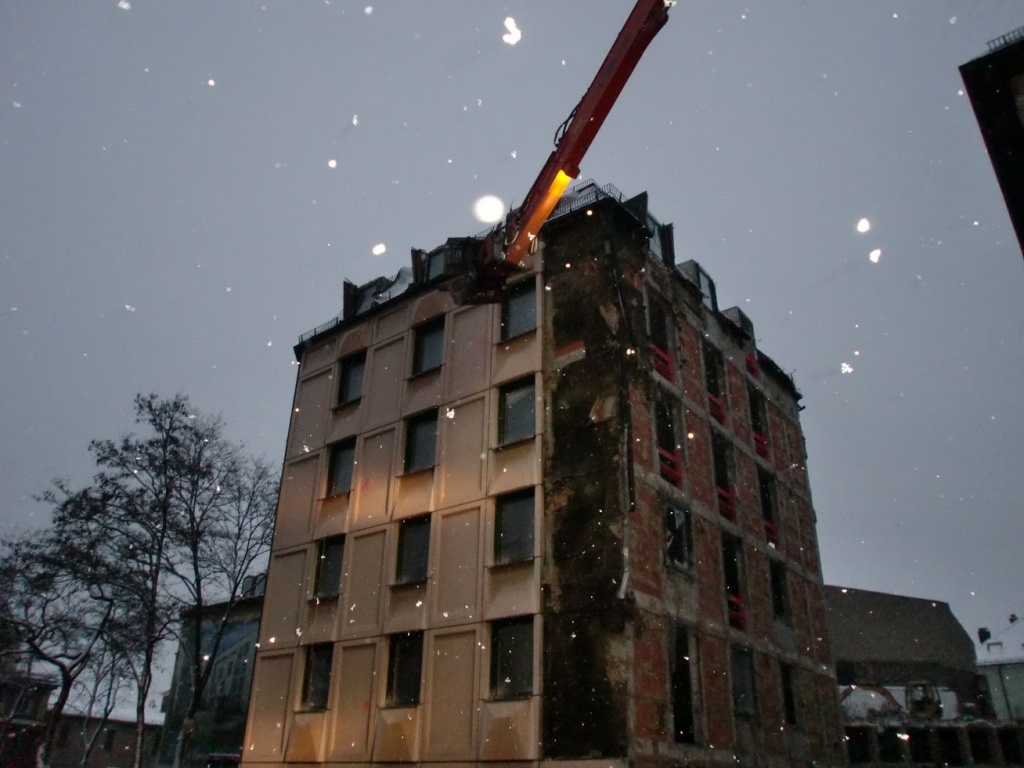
(995,84)
(1001,661)
(572,525)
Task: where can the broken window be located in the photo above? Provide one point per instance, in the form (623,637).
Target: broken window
(513,527)
(327,581)
(682,664)
(519,310)
(678,538)
(662,337)
(732,560)
(428,346)
(714,380)
(725,484)
(769,505)
(789,708)
(667,424)
(512,658)
(436,263)
(744,686)
(420,441)
(405,667)
(413,550)
(516,411)
(342,462)
(316,677)
(350,386)
(780,589)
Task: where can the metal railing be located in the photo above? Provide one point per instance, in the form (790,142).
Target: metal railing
(1004,40)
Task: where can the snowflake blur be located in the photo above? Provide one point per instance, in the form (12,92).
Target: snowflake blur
(875,255)
(379,249)
(489,209)
(513,35)
(863,226)
(846,368)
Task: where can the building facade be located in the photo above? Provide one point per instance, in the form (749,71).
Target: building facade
(572,525)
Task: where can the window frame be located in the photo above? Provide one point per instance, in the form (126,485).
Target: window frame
(735,580)
(679,528)
(682,664)
(528,429)
(778,579)
(516,689)
(345,366)
(333,486)
(315,695)
(412,567)
(788,689)
(413,424)
(396,694)
(668,425)
(320,589)
(519,506)
(742,671)
(714,368)
(511,327)
(430,332)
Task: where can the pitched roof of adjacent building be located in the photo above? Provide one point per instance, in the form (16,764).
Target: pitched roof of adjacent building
(867,626)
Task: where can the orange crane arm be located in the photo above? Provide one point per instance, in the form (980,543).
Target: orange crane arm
(522,224)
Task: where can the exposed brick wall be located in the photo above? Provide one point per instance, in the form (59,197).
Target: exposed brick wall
(650,675)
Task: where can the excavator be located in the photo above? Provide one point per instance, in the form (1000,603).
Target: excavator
(503,249)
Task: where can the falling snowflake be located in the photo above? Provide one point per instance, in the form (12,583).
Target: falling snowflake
(875,255)
(211,82)
(450,413)
(379,249)
(513,35)
(952,19)
(846,368)
(355,119)
(16,104)
(368,10)
(513,154)
(332,163)
(863,226)
(489,209)
(270,343)
(124,5)
(129,307)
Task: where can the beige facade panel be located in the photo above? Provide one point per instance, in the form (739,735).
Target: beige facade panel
(456,587)
(406,608)
(356,339)
(269,707)
(517,357)
(331,516)
(398,735)
(391,323)
(361,584)
(468,354)
(512,590)
(351,738)
(422,392)
(306,738)
(345,421)
(295,503)
(510,730)
(414,494)
(514,467)
(463,455)
(319,356)
(321,617)
(372,480)
(284,600)
(431,305)
(451,711)
(312,413)
(385,368)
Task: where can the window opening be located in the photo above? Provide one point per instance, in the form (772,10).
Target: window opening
(662,342)
(679,538)
(758,420)
(714,379)
(339,473)
(519,310)
(858,744)
(683,724)
(513,527)
(670,449)
(316,677)
(789,694)
(420,442)
(516,411)
(327,582)
(108,739)
(413,550)
(512,658)
(350,388)
(725,484)
(732,554)
(769,505)
(780,589)
(405,667)
(428,347)
(744,688)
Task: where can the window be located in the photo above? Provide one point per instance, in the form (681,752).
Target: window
(108,739)
(327,582)
(732,560)
(516,411)
(769,505)
(420,441)
(780,590)
(436,263)
(316,677)
(683,725)
(714,371)
(405,665)
(678,538)
(707,289)
(722,456)
(350,388)
(519,310)
(428,347)
(513,527)
(758,410)
(744,691)
(662,338)
(413,550)
(339,473)
(512,658)
(670,449)
(788,694)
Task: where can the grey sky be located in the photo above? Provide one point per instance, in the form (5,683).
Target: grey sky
(159,233)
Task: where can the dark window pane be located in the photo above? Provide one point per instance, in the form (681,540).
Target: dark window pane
(513,527)
(722,455)
(744,695)
(428,352)
(316,683)
(328,567)
(780,590)
(350,388)
(714,371)
(519,311)
(405,664)
(665,417)
(732,552)
(766,486)
(435,263)
(678,538)
(682,689)
(758,412)
(421,442)
(517,417)
(789,694)
(413,549)
(339,475)
(512,658)
(659,326)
